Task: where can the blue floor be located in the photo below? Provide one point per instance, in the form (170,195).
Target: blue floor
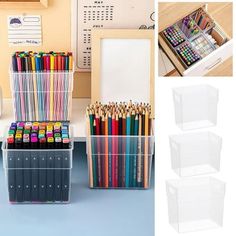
(90,212)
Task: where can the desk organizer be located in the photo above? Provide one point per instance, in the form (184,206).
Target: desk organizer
(42,96)
(120,161)
(195,203)
(37,174)
(195,106)
(195,153)
(42,85)
(197,33)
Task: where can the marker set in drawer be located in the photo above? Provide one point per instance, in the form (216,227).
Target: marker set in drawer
(190,39)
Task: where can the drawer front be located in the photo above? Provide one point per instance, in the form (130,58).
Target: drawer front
(211,61)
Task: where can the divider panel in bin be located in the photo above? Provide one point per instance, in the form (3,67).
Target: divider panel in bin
(195,203)
(42,96)
(38,175)
(120,161)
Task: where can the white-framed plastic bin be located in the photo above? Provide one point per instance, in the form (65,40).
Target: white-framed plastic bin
(38,175)
(195,203)
(195,153)
(195,106)
(120,162)
(42,96)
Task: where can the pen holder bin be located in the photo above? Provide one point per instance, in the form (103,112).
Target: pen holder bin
(120,161)
(195,203)
(195,106)
(195,153)
(42,96)
(38,175)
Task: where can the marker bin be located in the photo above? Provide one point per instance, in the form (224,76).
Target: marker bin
(38,175)
(42,96)
(195,106)
(120,162)
(195,203)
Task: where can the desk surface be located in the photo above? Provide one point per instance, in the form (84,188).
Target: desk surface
(91,212)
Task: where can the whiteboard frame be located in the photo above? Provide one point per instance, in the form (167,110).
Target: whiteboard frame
(97,36)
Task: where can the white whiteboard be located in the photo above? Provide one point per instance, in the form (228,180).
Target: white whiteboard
(125,70)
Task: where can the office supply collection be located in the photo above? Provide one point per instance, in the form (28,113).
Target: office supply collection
(190,38)
(42,85)
(38,160)
(120,145)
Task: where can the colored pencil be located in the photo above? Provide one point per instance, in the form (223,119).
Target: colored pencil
(120,144)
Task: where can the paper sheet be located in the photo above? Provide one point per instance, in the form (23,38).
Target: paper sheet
(24,30)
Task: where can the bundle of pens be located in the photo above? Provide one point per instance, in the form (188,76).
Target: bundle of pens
(119,145)
(42,85)
(189,27)
(38,160)
(203,20)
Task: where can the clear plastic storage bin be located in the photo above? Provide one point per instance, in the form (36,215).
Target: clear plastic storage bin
(195,106)
(42,96)
(195,203)
(38,175)
(195,153)
(120,161)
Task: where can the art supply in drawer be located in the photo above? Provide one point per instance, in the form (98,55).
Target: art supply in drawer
(187,54)
(212,40)
(202,45)
(174,35)
(202,19)
(119,145)
(38,161)
(189,27)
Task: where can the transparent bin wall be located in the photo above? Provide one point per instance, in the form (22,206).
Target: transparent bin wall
(42,96)
(120,161)
(195,153)
(195,106)
(38,175)
(195,203)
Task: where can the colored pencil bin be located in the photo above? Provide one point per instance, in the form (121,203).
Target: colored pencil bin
(38,175)
(195,106)
(195,153)
(120,161)
(195,203)
(42,96)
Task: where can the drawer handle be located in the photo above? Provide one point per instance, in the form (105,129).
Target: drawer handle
(218,61)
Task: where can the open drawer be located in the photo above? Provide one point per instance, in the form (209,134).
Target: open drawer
(193,41)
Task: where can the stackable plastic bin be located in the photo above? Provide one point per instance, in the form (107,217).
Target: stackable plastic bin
(195,203)
(195,106)
(195,153)
(38,175)
(42,96)
(120,161)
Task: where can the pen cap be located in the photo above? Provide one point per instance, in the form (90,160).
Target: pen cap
(66,143)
